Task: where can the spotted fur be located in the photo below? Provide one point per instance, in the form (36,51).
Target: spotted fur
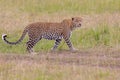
(50,31)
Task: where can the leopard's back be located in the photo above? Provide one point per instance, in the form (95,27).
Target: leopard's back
(50,31)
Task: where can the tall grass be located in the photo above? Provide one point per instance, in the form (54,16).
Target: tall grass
(102,35)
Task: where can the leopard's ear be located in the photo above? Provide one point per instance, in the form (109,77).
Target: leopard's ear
(72,19)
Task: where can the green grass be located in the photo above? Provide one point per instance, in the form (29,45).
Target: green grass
(84,38)
(98,36)
(58,6)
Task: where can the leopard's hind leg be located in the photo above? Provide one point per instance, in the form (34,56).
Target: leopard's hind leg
(32,42)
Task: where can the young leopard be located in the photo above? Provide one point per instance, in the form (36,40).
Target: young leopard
(50,31)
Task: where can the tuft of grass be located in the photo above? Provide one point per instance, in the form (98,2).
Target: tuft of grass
(102,74)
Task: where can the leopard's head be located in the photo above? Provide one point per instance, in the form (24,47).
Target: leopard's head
(77,22)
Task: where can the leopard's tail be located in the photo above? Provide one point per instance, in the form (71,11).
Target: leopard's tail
(17,42)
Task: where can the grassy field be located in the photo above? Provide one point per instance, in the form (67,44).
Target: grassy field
(58,6)
(98,41)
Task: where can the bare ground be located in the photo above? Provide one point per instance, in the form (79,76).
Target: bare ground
(81,58)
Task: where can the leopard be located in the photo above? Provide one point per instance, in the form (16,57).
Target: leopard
(48,30)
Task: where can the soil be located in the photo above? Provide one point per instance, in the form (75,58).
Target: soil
(81,58)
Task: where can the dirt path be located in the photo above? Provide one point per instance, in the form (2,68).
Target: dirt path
(91,59)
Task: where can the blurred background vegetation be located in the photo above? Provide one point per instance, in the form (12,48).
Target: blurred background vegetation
(60,6)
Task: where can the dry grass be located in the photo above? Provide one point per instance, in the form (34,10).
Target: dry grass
(14,21)
(61,66)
